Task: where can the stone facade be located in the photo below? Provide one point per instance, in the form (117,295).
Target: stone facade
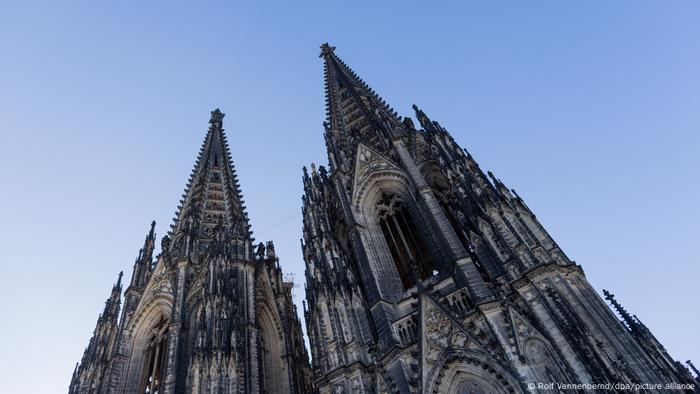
(211,314)
(426,275)
(423,275)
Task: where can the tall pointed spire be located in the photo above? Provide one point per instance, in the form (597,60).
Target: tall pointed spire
(354,112)
(224,318)
(150,243)
(144,262)
(97,353)
(113,303)
(212,196)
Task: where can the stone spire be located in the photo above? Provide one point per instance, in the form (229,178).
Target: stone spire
(354,112)
(144,262)
(212,203)
(208,314)
(149,243)
(111,310)
(96,356)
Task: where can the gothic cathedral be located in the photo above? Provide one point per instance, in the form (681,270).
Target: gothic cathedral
(211,314)
(423,275)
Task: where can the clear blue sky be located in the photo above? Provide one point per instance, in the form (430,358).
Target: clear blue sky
(588,109)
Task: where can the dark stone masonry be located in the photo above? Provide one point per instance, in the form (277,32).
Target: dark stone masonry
(423,275)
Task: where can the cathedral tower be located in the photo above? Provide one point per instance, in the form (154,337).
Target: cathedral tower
(426,275)
(211,313)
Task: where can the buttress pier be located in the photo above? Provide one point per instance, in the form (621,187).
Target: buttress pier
(211,313)
(427,275)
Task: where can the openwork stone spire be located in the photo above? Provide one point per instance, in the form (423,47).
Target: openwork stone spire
(354,112)
(212,201)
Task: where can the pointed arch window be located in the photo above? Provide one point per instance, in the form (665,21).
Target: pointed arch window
(408,249)
(272,366)
(155,359)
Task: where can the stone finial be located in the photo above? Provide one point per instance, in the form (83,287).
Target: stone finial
(326,50)
(493,177)
(165,244)
(408,122)
(260,251)
(216,116)
(270,249)
(323,172)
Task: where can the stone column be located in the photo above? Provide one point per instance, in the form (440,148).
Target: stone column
(172,358)
(474,282)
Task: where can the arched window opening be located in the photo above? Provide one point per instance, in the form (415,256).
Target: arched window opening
(272,367)
(407,247)
(156,353)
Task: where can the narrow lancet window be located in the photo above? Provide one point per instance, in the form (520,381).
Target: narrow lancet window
(407,247)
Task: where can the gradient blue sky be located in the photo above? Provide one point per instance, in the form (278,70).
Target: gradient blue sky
(588,109)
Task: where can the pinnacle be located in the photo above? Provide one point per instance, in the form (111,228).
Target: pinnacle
(216,115)
(326,50)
